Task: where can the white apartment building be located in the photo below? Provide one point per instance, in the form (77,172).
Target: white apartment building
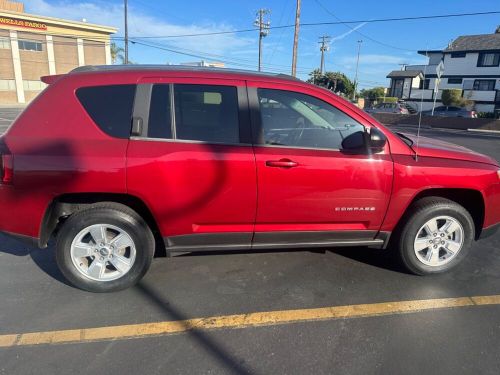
(471,63)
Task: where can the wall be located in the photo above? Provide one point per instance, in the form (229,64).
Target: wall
(437,122)
(65,53)
(467,65)
(94,52)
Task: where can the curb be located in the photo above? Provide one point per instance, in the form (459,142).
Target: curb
(484,131)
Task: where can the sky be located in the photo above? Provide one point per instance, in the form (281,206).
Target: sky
(384,45)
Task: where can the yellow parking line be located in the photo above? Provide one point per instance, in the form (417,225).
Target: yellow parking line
(241,321)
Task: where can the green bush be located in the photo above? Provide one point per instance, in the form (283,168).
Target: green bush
(485,115)
(387,99)
(453,97)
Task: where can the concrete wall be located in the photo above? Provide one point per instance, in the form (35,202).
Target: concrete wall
(437,122)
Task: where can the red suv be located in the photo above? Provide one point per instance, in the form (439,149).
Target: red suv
(116,161)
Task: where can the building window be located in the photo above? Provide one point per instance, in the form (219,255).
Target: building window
(4,43)
(33,85)
(30,45)
(455,55)
(484,84)
(424,84)
(7,85)
(488,59)
(455,81)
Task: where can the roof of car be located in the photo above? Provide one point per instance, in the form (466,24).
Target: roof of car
(179,68)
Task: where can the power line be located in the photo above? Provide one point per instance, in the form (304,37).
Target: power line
(310,24)
(359,32)
(226,60)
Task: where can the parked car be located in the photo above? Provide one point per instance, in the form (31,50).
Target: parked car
(451,111)
(389,108)
(115,162)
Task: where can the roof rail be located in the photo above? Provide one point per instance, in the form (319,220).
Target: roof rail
(132,67)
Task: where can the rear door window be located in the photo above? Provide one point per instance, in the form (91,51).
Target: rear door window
(110,107)
(159,122)
(206,113)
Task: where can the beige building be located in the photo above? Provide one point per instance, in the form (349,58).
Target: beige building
(33,46)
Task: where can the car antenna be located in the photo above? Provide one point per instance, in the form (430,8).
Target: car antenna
(421,107)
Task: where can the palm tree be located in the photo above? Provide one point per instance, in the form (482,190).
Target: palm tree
(116,54)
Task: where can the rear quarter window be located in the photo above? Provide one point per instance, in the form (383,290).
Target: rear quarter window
(110,107)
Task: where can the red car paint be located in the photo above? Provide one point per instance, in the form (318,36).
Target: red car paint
(197,188)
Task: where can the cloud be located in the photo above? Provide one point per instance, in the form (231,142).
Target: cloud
(342,36)
(142,23)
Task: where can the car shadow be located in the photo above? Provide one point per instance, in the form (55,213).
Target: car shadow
(43,258)
(211,346)
(385,259)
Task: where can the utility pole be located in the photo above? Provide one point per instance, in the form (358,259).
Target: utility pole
(324,46)
(263,29)
(403,66)
(356,76)
(126,31)
(296,39)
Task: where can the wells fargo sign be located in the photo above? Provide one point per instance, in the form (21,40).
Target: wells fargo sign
(22,23)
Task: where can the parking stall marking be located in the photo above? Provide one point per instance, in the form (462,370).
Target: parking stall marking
(255,319)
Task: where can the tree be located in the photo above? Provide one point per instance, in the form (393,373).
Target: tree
(452,97)
(373,93)
(333,81)
(116,54)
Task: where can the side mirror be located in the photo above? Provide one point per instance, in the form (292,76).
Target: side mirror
(377,139)
(355,142)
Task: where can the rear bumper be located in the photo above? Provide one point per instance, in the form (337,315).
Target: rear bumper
(489,231)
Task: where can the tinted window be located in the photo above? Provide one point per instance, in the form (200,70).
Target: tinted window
(454,109)
(439,109)
(455,55)
(424,84)
(159,123)
(29,45)
(294,119)
(489,59)
(110,107)
(454,81)
(484,84)
(206,113)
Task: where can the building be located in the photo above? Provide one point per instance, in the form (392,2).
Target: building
(33,46)
(210,64)
(470,63)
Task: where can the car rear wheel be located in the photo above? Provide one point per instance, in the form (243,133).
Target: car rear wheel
(105,248)
(436,236)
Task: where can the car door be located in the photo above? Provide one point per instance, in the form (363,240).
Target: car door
(440,111)
(309,190)
(191,161)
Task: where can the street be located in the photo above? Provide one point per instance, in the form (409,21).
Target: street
(461,336)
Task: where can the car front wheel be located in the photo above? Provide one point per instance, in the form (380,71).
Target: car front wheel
(436,236)
(105,248)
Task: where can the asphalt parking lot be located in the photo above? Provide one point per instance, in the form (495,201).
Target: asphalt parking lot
(298,312)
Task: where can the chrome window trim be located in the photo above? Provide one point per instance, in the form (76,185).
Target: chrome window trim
(171,140)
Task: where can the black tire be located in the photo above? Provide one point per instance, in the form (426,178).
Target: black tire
(112,214)
(419,214)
